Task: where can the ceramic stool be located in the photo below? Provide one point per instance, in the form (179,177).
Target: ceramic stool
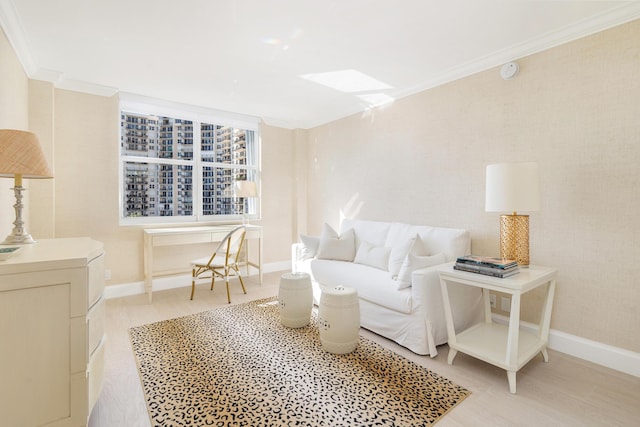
(339,319)
(295,298)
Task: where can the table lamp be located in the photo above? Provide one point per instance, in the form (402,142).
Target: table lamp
(245,189)
(21,157)
(513,187)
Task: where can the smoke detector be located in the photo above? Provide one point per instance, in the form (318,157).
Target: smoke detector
(509,70)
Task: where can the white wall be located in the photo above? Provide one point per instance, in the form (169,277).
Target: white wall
(79,134)
(14,114)
(87,188)
(574,109)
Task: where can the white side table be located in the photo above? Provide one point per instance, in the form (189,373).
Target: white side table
(295,298)
(339,319)
(504,346)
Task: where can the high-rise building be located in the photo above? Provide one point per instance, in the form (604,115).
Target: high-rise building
(159,188)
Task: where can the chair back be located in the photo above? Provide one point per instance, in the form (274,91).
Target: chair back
(231,246)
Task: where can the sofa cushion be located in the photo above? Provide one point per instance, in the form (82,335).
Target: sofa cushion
(372,284)
(452,242)
(374,232)
(373,256)
(336,247)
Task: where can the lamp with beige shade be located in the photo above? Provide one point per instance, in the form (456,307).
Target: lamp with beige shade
(21,157)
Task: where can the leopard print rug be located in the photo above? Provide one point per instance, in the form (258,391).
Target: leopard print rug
(238,366)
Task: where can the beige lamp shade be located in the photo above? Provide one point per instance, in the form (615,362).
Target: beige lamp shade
(21,154)
(246,189)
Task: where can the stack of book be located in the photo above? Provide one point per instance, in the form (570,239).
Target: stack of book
(496,267)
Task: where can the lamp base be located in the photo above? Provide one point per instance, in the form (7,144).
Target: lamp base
(19,235)
(18,239)
(514,238)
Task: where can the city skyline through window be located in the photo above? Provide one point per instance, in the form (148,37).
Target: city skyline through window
(180,169)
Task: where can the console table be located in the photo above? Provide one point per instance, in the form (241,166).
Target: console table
(154,237)
(504,346)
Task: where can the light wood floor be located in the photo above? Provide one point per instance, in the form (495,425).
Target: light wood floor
(564,392)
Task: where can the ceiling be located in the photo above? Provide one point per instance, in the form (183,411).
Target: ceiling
(248,56)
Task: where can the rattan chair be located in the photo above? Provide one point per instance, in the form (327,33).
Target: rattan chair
(223,263)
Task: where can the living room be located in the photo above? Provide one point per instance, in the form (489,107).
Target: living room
(573,108)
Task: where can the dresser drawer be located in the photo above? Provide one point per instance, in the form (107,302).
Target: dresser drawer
(95,325)
(52,324)
(95,374)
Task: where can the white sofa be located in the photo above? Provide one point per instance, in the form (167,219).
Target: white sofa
(393,267)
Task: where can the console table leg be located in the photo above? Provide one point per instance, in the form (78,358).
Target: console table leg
(545,355)
(148,267)
(452,355)
(511,376)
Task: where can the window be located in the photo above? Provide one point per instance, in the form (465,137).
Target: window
(178,165)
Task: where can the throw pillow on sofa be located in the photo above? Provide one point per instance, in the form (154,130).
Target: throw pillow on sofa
(309,246)
(332,246)
(398,254)
(414,262)
(373,256)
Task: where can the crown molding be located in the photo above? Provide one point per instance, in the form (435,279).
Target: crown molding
(84,87)
(17,38)
(14,32)
(630,11)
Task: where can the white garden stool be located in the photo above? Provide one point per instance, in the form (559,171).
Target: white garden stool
(295,298)
(339,319)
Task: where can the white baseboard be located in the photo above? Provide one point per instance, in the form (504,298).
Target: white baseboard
(602,354)
(178,281)
(272,267)
(123,290)
(593,351)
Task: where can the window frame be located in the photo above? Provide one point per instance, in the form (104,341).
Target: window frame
(129,103)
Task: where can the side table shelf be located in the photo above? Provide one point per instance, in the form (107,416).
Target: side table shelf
(505,346)
(488,342)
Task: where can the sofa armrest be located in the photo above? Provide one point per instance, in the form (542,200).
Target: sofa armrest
(427,298)
(466,304)
(425,287)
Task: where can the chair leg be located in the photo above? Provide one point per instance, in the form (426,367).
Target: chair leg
(242,283)
(213,279)
(228,294)
(193,282)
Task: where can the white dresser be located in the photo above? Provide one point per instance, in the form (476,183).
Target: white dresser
(51,332)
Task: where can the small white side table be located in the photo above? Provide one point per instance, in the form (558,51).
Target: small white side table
(295,298)
(339,319)
(504,346)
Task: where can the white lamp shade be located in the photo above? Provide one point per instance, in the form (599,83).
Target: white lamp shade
(246,189)
(512,187)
